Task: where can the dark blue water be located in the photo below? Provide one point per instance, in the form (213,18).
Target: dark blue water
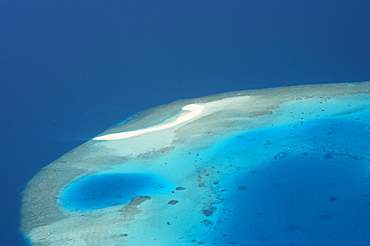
(71,69)
(315,191)
(106,190)
(303,200)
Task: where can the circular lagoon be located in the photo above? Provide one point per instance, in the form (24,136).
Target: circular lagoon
(106,190)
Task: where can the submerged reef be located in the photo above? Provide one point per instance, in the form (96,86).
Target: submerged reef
(285,166)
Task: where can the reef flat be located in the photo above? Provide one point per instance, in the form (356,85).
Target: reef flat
(288,165)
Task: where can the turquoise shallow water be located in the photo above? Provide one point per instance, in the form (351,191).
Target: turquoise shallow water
(315,191)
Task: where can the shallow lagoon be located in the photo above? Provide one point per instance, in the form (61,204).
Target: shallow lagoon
(284,166)
(105,190)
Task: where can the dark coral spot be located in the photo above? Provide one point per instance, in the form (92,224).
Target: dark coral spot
(291,228)
(328,156)
(242,187)
(209,211)
(333,199)
(172,202)
(325,216)
(261,239)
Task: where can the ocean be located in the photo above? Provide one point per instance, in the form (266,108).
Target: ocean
(71,69)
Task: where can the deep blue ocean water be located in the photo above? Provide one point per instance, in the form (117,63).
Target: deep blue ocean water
(71,69)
